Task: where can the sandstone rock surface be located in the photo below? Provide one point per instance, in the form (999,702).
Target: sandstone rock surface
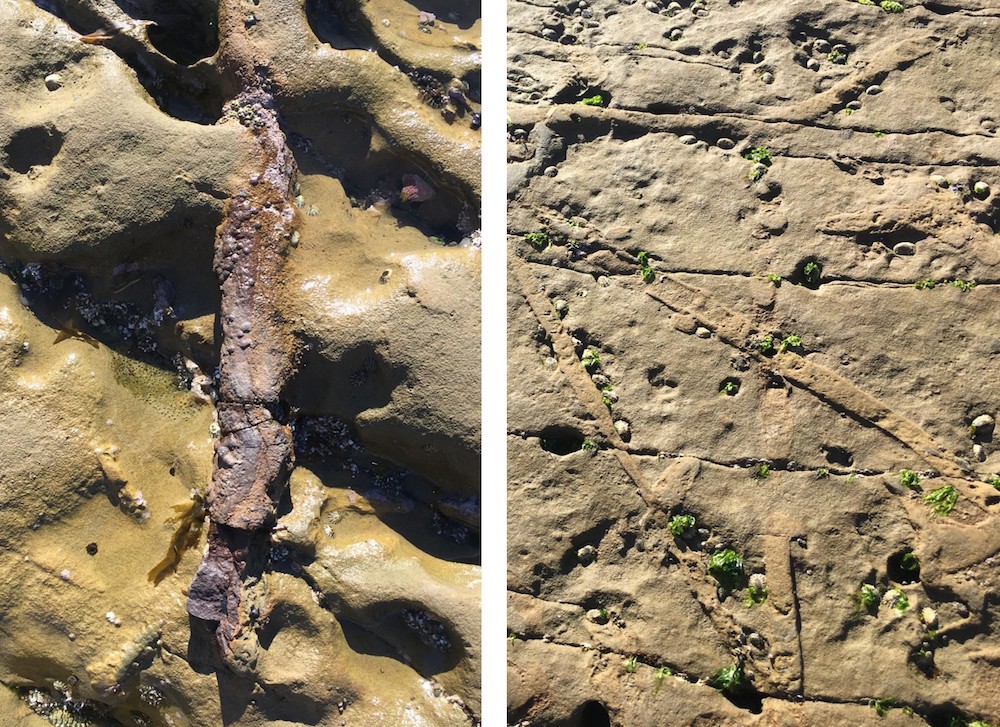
(752,284)
(114,180)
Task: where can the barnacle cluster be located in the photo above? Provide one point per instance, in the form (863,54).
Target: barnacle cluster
(318,437)
(150,695)
(431,631)
(454,100)
(430,90)
(248,114)
(379,198)
(123,319)
(329,438)
(57,705)
(448,528)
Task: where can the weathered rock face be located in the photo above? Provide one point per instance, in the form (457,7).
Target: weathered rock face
(742,293)
(136,166)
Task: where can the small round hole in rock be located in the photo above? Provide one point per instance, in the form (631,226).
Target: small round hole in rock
(730,386)
(561,440)
(903,567)
(593,714)
(35,146)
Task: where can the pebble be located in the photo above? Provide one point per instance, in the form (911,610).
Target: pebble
(652,7)
(600,380)
(53,81)
(771,220)
(676,34)
(939,180)
(977,450)
(929,616)
(725,143)
(757,57)
(904,248)
(549,34)
(756,640)
(623,429)
(687,139)
(561,306)
(839,48)
(684,323)
(767,77)
(989,125)
(587,554)
(594,615)
(550,171)
(703,332)
(611,395)
(963,610)
(812,64)
(674,7)
(981,190)
(854,105)
(822,46)
(982,421)
(873,90)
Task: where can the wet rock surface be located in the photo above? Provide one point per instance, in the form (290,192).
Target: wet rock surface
(227,331)
(751,322)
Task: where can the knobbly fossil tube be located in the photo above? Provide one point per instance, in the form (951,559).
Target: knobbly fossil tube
(253,457)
